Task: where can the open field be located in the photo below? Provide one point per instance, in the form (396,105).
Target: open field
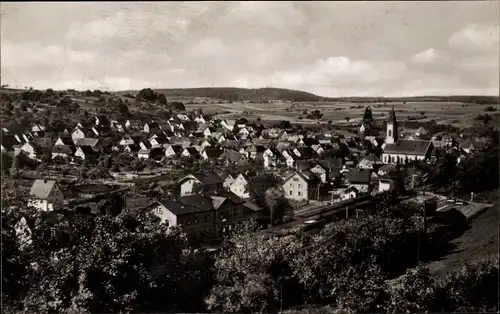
(480,241)
(454,113)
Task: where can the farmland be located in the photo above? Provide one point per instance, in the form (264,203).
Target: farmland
(454,113)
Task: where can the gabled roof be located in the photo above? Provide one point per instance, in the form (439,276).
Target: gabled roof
(359,176)
(87,150)
(213,152)
(8,142)
(41,188)
(86,142)
(67,140)
(63,149)
(187,204)
(413,147)
(308,176)
(205,178)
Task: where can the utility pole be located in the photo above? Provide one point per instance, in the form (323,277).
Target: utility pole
(347,212)
(281,298)
(318,191)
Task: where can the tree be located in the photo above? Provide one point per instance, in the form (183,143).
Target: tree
(147,94)
(177,106)
(368,116)
(277,204)
(162,100)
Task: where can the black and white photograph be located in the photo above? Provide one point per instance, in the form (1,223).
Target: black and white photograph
(250,156)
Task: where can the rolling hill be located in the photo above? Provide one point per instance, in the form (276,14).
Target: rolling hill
(270,93)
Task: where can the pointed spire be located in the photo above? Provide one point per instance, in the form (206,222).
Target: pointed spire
(392,115)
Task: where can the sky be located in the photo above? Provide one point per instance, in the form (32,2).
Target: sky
(331,49)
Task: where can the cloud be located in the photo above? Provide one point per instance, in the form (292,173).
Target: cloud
(32,55)
(476,37)
(427,56)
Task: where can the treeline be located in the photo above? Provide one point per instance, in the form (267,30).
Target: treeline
(241,94)
(128,262)
(462,99)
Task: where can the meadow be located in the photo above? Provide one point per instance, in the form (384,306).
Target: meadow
(454,113)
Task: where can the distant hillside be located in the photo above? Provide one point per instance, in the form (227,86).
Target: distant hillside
(239,94)
(259,94)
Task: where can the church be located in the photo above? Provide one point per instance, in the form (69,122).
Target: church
(397,150)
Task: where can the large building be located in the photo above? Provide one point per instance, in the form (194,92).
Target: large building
(401,151)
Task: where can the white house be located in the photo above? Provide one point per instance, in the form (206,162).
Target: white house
(46,195)
(77,133)
(228,124)
(240,186)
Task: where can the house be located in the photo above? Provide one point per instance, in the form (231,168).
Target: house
(391,180)
(173,150)
(468,146)
(133,124)
(78,133)
(143,154)
(233,157)
(194,213)
(301,185)
(318,149)
(45,195)
(190,152)
(321,169)
(421,131)
(349,193)
(91,142)
(200,119)
(228,124)
(370,162)
(126,141)
(148,127)
(230,210)
(211,153)
(31,149)
(360,179)
(132,149)
(228,179)
(85,152)
(206,181)
(240,186)
(145,145)
(159,141)
(64,151)
(65,140)
(398,151)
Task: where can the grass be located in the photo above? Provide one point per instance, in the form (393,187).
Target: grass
(455,113)
(478,242)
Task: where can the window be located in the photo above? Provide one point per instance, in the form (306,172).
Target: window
(393,159)
(167,222)
(299,193)
(291,184)
(300,185)
(295,179)
(158,210)
(290,192)
(389,133)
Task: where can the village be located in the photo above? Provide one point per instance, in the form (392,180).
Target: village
(204,174)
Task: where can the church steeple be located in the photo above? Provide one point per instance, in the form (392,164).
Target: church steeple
(392,128)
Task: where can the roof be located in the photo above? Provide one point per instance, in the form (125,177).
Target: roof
(63,149)
(8,142)
(41,188)
(213,152)
(370,160)
(413,147)
(254,207)
(359,176)
(67,140)
(392,117)
(308,176)
(187,204)
(467,143)
(86,142)
(87,150)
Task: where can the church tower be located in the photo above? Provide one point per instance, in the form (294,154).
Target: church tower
(391,135)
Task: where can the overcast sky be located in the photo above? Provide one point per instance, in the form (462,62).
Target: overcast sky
(327,48)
